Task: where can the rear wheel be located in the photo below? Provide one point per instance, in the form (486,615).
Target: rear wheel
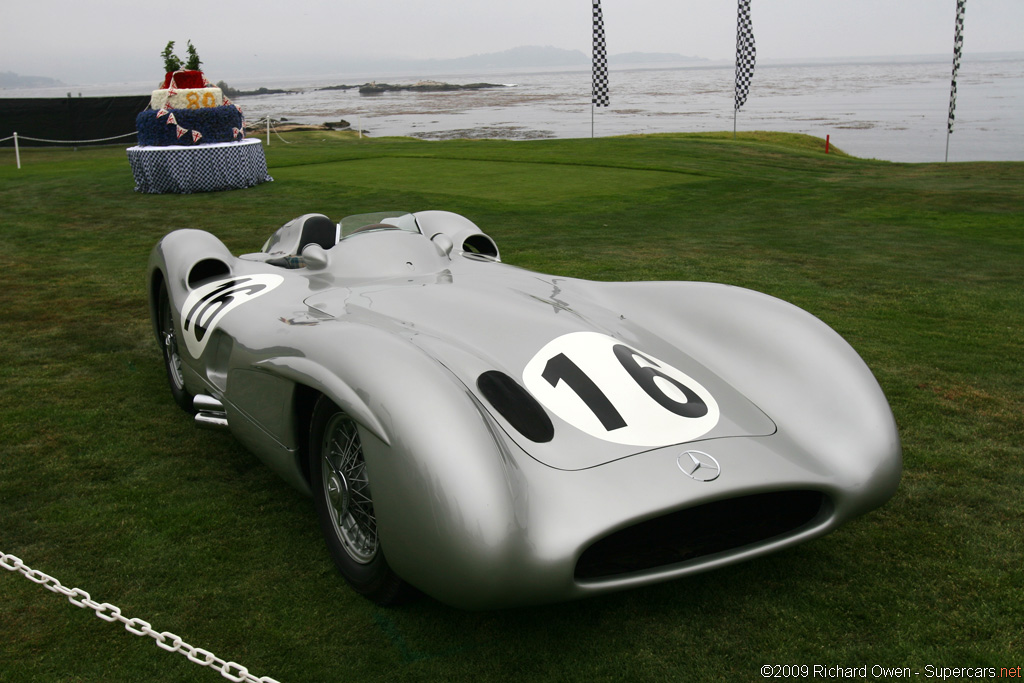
(344,505)
(172,357)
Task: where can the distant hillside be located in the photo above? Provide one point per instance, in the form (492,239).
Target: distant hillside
(9,79)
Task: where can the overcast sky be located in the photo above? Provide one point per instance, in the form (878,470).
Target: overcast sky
(117,40)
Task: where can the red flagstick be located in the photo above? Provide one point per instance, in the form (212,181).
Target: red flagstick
(826,143)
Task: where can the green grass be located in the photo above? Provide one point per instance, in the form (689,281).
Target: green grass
(106,485)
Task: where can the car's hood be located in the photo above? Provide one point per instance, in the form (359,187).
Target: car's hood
(611,388)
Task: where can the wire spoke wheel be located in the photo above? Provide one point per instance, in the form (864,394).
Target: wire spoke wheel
(168,339)
(347,489)
(340,480)
(170,346)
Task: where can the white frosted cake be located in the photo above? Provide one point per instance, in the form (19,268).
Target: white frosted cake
(186,98)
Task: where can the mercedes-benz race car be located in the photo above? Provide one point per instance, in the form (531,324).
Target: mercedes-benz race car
(493,436)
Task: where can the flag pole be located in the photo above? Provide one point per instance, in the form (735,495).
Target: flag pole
(958,44)
(599,67)
(746,56)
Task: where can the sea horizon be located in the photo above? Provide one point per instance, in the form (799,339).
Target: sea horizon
(358,76)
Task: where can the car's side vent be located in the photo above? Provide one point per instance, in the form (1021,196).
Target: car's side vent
(700,531)
(517,405)
(207,269)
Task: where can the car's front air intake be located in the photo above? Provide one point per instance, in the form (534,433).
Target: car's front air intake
(700,531)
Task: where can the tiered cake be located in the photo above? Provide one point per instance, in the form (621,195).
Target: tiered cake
(187,110)
(191,138)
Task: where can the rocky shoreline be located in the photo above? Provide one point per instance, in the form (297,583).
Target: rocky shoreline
(423,86)
(371,88)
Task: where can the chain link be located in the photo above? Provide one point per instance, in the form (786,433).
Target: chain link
(170,642)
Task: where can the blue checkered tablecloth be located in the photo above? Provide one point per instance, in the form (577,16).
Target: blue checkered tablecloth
(202,168)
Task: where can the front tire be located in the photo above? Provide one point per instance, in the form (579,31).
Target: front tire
(168,339)
(344,505)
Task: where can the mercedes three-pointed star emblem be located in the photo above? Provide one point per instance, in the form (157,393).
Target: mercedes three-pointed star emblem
(699,465)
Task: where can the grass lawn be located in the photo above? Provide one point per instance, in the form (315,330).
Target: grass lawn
(107,486)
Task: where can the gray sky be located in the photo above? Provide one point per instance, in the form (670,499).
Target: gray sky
(88,42)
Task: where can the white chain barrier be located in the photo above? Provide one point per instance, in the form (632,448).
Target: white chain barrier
(271,126)
(17,150)
(107,612)
(70,142)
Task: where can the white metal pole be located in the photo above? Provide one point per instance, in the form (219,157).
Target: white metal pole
(268,130)
(17,152)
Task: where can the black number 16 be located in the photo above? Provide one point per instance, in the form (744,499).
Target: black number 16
(562,368)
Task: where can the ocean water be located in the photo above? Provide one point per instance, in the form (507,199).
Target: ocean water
(885,109)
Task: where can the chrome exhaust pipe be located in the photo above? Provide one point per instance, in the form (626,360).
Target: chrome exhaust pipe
(210,413)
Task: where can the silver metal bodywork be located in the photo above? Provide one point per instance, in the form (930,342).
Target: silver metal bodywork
(735,424)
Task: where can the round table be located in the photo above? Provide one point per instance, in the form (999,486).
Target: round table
(198,168)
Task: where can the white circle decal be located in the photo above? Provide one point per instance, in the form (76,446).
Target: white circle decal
(615,392)
(206,305)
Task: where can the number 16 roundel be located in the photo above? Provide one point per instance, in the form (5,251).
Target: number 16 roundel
(615,392)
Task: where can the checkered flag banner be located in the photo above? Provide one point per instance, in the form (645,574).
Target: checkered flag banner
(746,53)
(600,87)
(958,44)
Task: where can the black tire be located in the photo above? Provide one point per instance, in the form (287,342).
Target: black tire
(168,339)
(344,506)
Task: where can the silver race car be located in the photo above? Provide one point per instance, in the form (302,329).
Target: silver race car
(493,436)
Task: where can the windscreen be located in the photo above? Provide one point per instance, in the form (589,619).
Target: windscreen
(402,220)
